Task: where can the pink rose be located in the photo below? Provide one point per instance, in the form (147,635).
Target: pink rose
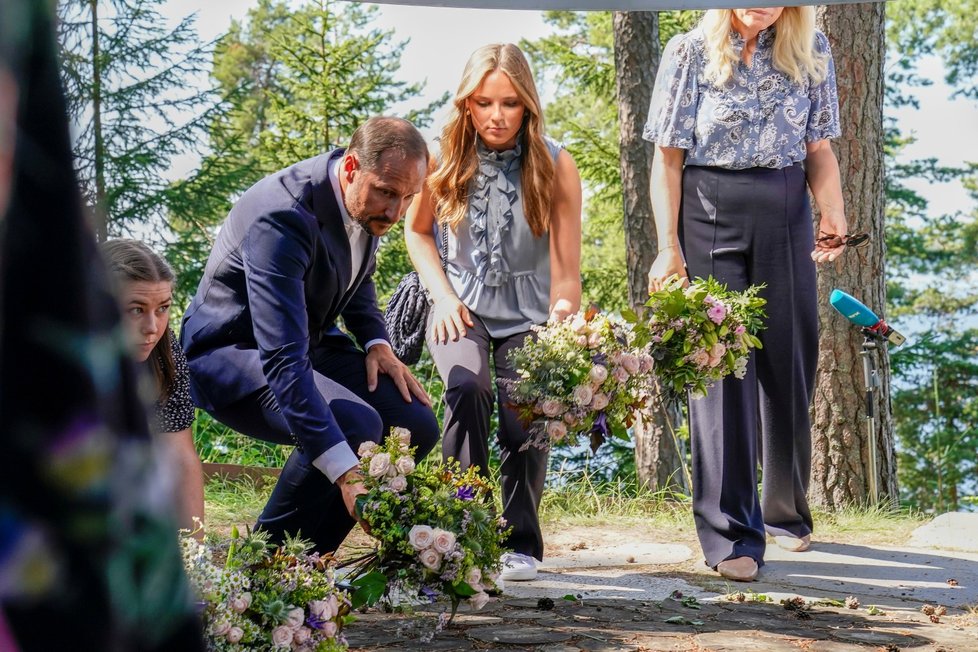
(403,435)
(405,465)
(321,609)
(430,558)
(598,374)
(718,350)
(570,419)
(583,395)
(220,628)
(473,576)
(556,430)
(551,407)
(421,537)
(717,313)
(398,483)
(600,401)
(241,603)
(234,635)
(620,374)
(479,600)
(301,635)
(581,340)
(295,618)
(594,340)
(444,541)
(380,465)
(631,363)
(329,629)
(282,636)
(646,363)
(367,448)
(700,358)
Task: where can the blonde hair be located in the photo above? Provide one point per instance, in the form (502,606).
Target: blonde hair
(449,182)
(794,46)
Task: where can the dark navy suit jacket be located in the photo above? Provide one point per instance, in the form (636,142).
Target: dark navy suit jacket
(274,286)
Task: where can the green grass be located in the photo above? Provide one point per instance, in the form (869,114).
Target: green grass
(235,501)
(882,525)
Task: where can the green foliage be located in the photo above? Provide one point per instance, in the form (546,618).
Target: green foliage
(132,104)
(217,443)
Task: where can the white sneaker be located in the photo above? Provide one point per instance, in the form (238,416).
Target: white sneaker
(518,567)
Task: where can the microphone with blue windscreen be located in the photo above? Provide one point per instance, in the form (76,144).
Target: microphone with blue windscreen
(859,314)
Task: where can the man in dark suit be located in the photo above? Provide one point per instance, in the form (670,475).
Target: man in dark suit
(266,357)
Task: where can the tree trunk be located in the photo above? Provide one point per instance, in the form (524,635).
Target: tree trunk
(101,218)
(636,34)
(840,440)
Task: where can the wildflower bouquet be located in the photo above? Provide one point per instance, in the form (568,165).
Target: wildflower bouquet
(266,598)
(436,530)
(700,333)
(585,375)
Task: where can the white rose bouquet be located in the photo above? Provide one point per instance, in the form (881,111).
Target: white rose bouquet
(700,333)
(436,529)
(266,598)
(583,376)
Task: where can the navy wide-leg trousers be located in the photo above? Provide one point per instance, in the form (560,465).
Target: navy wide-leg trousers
(747,227)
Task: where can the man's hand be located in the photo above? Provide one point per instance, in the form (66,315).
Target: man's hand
(351,486)
(381,359)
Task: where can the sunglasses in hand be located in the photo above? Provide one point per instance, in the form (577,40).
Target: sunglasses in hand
(832,241)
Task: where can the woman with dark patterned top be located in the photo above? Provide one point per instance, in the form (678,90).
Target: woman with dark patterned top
(741,114)
(144,284)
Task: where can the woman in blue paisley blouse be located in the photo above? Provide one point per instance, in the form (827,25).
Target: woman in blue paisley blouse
(742,112)
(508,207)
(144,288)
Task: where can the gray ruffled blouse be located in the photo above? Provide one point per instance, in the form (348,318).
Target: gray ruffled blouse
(496,266)
(760,118)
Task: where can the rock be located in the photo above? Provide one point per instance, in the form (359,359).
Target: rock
(951,531)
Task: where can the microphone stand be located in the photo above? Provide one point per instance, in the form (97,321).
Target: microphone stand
(871,382)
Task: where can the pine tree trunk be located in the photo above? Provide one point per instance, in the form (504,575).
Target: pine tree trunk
(636,33)
(101,218)
(840,441)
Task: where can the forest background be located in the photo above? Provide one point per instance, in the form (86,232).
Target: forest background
(173,117)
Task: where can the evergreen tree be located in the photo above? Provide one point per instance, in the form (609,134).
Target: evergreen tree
(133,105)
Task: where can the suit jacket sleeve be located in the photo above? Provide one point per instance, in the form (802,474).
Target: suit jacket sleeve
(277,252)
(361,314)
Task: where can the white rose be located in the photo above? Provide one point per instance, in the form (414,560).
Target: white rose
(631,363)
(295,618)
(379,465)
(479,600)
(405,465)
(444,541)
(599,374)
(329,629)
(583,395)
(430,558)
(301,635)
(421,537)
(473,576)
(282,636)
(220,628)
(594,340)
(398,483)
(581,340)
(556,430)
(403,435)
(600,401)
(551,407)
(234,635)
(578,325)
(367,448)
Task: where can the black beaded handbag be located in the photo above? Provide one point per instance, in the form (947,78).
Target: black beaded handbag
(407,312)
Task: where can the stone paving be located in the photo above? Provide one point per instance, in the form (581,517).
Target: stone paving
(659,597)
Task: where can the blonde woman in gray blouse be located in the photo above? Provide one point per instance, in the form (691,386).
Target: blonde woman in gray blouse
(509,201)
(741,116)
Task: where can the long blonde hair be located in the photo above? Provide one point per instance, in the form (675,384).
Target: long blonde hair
(449,182)
(794,46)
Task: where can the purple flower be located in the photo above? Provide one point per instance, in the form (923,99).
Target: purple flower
(316,622)
(465,493)
(717,313)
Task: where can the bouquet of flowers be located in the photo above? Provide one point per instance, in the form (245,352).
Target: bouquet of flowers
(266,598)
(583,375)
(700,333)
(436,528)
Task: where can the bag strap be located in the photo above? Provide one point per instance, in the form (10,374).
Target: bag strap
(443,249)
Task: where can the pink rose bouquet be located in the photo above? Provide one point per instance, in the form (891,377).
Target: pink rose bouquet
(584,376)
(436,529)
(700,334)
(266,598)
